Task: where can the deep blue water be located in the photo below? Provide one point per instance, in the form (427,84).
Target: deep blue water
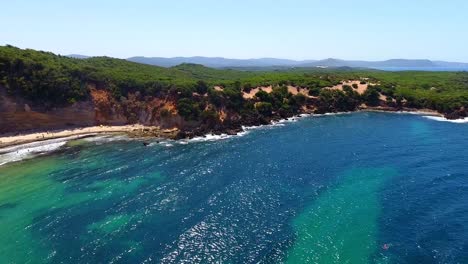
(353,188)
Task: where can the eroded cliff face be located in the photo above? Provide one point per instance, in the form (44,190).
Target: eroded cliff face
(135,109)
(102,108)
(19,115)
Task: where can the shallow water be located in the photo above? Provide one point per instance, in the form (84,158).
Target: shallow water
(356,188)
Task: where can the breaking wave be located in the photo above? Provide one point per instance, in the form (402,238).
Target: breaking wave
(443,119)
(30,150)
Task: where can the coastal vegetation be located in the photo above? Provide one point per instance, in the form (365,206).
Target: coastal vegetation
(202,95)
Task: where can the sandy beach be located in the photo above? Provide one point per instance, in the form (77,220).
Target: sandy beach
(6,141)
(424,112)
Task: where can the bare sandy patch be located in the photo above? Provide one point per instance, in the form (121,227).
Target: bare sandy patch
(254,91)
(294,90)
(382,97)
(298,90)
(361,88)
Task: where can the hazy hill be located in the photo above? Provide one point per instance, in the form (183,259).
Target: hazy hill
(42,90)
(218,62)
(281,64)
(372,64)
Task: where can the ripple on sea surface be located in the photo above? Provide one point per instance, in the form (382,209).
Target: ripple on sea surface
(240,199)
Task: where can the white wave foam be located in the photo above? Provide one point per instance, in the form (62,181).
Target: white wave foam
(107,138)
(242,133)
(33,149)
(26,151)
(443,119)
(213,137)
(418,113)
(165,143)
(281,122)
(407,113)
(207,138)
(246,129)
(331,114)
(273,124)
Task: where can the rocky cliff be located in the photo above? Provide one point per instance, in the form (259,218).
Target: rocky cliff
(19,115)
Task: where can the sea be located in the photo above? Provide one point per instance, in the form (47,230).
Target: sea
(346,188)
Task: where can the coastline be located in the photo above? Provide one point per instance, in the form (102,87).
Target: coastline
(141,131)
(427,112)
(19,147)
(135,130)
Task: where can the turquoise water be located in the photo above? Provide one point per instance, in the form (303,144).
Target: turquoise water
(355,188)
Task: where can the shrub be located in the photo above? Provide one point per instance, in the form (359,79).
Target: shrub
(209,117)
(264,108)
(263,96)
(188,109)
(315,91)
(201,87)
(371,97)
(247,87)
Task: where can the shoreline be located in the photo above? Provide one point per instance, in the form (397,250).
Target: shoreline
(427,112)
(142,131)
(135,130)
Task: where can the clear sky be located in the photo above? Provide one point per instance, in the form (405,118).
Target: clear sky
(294,29)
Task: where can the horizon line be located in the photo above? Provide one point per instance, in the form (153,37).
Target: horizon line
(231,58)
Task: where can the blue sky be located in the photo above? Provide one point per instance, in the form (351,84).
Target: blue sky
(294,29)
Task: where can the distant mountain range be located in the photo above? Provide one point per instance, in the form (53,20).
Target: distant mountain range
(269,62)
(218,62)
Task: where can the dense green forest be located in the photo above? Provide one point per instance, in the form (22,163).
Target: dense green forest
(52,80)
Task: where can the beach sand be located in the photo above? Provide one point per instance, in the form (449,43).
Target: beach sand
(423,111)
(6,141)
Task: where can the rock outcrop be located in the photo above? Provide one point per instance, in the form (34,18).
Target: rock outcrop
(19,115)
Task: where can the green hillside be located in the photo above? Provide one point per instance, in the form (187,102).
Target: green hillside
(52,80)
